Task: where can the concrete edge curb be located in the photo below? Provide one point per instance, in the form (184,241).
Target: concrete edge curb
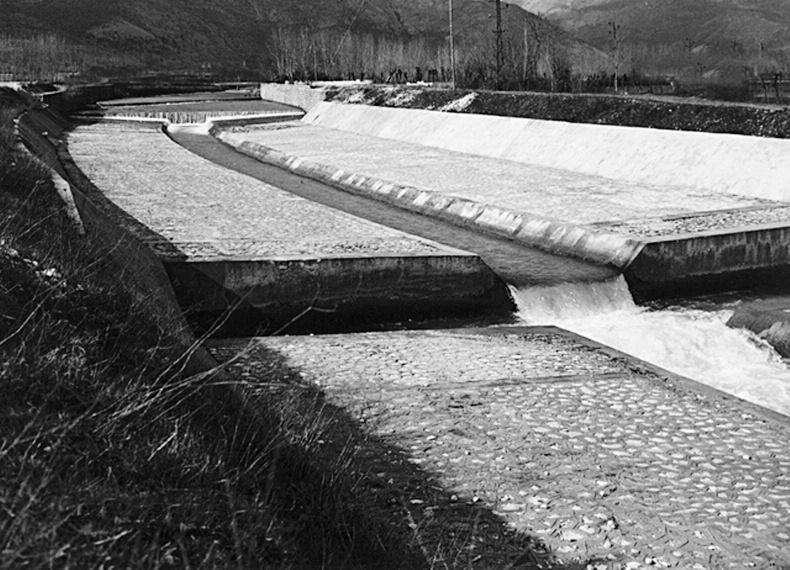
(534,231)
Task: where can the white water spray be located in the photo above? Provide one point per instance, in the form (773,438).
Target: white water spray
(696,344)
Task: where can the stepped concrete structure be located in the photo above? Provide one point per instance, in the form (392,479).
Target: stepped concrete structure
(228,240)
(503,437)
(670,209)
(181,110)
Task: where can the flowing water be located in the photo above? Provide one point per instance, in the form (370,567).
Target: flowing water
(692,340)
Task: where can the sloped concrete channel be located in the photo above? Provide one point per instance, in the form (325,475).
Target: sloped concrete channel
(227,240)
(514,263)
(587,191)
(590,454)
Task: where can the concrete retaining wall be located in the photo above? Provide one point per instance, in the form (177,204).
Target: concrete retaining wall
(752,166)
(732,259)
(345,290)
(76,98)
(298,95)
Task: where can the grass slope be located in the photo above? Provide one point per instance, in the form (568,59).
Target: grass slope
(111,457)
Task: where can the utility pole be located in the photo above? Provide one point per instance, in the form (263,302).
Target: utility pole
(452,45)
(499,46)
(526,55)
(614,33)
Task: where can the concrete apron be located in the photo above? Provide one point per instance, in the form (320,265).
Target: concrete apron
(331,292)
(534,423)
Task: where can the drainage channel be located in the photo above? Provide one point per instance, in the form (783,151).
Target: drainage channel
(515,264)
(588,299)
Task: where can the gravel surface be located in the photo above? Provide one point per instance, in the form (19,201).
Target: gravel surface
(703,222)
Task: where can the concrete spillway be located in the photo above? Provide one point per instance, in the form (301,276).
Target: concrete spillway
(229,241)
(687,340)
(673,210)
(177,111)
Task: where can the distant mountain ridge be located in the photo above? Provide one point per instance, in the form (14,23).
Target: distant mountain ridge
(725,39)
(261,35)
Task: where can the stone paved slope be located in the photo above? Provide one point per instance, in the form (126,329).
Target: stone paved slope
(237,246)
(602,458)
(204,212)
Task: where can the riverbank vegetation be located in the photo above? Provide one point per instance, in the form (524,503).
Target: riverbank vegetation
(112,456)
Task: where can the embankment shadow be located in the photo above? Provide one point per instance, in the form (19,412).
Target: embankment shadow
(396,514)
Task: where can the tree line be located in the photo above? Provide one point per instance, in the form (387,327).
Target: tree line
(532,60)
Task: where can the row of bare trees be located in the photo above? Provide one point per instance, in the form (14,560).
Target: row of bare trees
(45,57)
(300,54)
(537,60)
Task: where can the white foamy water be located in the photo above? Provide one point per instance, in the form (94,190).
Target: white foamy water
(694,343)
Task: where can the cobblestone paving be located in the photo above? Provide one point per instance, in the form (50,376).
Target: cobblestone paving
(703,222)
(602,459)
(549,192)
(199,211)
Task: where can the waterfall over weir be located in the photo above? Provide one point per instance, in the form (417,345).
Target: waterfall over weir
(694,343)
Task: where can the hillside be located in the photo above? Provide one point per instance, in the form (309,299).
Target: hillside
(704,39)
(269,37)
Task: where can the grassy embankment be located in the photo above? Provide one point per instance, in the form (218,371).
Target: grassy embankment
(111,456)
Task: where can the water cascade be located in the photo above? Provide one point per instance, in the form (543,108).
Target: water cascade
(692,342)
